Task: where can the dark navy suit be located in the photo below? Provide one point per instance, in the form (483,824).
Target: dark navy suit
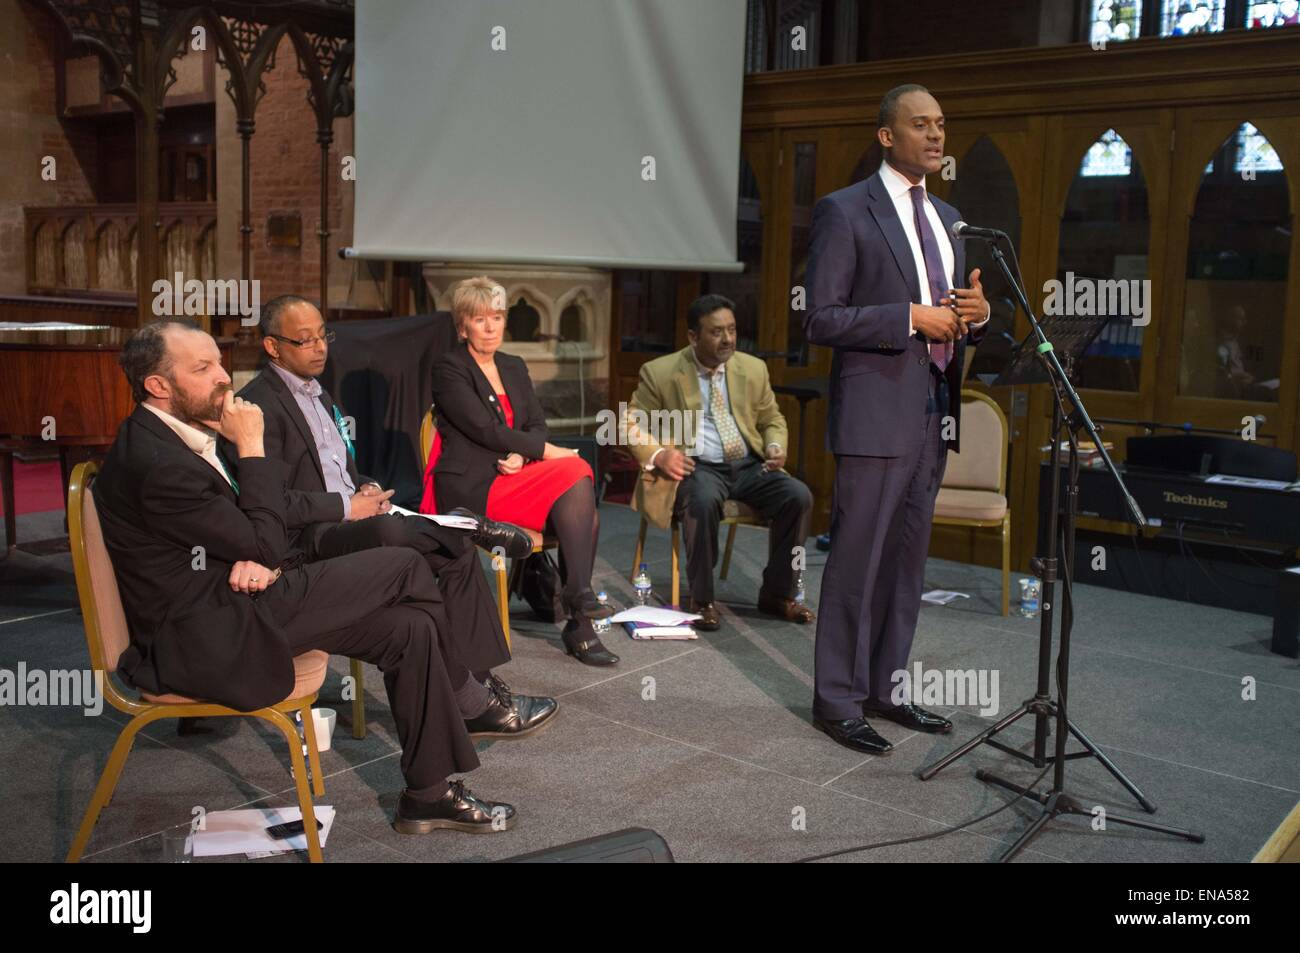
(888,405)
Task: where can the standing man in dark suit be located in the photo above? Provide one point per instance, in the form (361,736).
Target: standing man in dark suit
(883,291)
(219,604)
(332,510)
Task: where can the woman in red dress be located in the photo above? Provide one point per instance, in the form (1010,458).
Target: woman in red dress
(495,457)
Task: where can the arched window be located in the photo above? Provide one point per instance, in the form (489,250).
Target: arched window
(985,193)
(1102,261)
(1238,249)
(523,321)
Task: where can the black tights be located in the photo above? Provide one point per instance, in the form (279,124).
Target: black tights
(576,524)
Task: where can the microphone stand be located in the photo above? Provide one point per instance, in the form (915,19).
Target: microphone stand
(1056,801)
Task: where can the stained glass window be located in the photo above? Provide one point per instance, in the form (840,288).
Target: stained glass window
(1185,17)
(1115,20)
(1272,13)
(1254,152)
(1109,155)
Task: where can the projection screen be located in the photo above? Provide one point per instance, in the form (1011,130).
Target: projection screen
(574,132)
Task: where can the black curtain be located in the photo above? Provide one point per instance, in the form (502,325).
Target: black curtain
(381,374)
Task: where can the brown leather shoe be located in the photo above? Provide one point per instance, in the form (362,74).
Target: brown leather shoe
(709,620)
(784,608)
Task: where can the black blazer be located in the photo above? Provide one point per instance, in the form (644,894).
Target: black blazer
(288,438)
(473,426)
(190,634)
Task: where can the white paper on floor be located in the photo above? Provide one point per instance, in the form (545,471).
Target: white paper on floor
(244,831)
(655,615)
(941,597)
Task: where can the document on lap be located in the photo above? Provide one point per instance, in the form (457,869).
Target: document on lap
(442,519)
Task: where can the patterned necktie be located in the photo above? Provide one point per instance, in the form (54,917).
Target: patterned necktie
(940,351)
(733,448)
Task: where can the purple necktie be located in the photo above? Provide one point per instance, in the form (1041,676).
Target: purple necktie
(940,352)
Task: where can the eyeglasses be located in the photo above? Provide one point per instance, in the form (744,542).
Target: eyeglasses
(327,338)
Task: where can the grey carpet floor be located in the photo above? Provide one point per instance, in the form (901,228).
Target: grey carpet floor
(708,742)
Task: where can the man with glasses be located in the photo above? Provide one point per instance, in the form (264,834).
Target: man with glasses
(332,510)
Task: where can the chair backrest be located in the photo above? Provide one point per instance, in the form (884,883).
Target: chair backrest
(982,463)
(426,438)
(107,634)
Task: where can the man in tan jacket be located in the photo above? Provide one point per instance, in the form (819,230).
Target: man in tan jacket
(705,427)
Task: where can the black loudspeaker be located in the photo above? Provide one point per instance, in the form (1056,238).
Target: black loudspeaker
(587,449)
(1199,453)
(635,845)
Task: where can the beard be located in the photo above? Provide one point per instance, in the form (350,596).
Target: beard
(196,410)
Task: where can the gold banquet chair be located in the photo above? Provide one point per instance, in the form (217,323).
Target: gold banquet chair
(974,488)
(507,576)
(107,638)
(734,513)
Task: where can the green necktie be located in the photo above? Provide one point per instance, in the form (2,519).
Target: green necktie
(221,459)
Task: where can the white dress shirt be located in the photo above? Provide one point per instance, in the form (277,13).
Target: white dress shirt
(202,442)
(899,190)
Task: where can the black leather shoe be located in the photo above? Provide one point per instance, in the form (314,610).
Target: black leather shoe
(457,810)
(510,716)
(514,542)
(709,620)
(854,733)
(910,716)
(584,645)
(588,606)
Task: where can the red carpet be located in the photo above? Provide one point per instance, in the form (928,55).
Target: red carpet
(37,487)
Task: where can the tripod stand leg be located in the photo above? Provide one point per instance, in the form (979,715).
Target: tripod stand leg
(1109,765)
(1142,823)
(926,773)
(1029,834)
(989,777)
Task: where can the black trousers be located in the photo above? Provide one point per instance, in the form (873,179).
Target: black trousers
(475,637)
(382,606)
(779,497)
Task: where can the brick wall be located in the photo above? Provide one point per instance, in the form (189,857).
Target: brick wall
(286,178)
(31,130)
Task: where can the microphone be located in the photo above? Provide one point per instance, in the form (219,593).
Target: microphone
(962,230)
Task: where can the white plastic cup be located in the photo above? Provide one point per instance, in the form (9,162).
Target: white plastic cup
(323,720)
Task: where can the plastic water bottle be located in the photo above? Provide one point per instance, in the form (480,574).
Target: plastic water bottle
(800,593)
(642,586)
(1029,592)
(601,626)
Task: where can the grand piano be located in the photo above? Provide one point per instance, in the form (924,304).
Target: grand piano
(62,388)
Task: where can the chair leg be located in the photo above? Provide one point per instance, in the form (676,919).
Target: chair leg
(313,751)
(503,596)
(281,721)
(1006,563)
(640,550)
(7,489)
(726,555)
(677,574)
(104,789)
(358,700)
